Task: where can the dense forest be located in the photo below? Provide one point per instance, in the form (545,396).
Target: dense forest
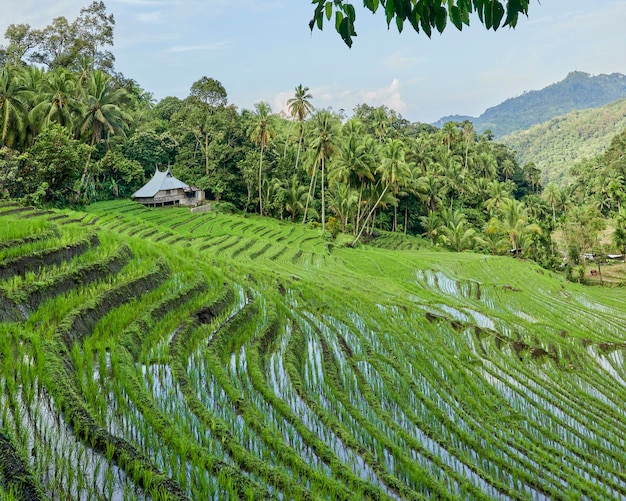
(74,131)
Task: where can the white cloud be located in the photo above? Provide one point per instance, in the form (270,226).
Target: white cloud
(279,103)
(389,96)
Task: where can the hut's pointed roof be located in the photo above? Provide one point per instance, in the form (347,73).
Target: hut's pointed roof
(160,181)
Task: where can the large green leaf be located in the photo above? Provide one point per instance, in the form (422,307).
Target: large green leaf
(338,19)
(441,19)
(498,14)
(329,10)
(371,4)
(390,12)
(455,17)
(399,23)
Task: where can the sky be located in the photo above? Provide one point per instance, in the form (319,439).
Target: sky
(260,50)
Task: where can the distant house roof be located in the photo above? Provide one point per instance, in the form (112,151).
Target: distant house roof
(160,181)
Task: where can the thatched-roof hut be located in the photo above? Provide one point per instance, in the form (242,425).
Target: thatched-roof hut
(165,189)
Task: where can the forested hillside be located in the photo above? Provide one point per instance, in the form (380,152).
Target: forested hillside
(557,145)
(577,91)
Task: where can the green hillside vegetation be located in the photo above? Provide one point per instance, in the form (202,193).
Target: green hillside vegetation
(577,91)
(557,145)
(600,180)
(159,354)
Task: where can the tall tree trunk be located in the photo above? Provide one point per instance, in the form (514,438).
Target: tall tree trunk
(323,203)
(311,189)
(260,179)
(395,218)
(206,153)
(358,207)
(406,216)
(86,169)
(299,148)
(368,217)
(287,139)
(514,244)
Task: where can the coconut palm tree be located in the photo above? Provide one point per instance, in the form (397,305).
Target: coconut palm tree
(431,190)
(393,171)
(274,194)
(431,224)
(486,165)
(409,188)
(261,133)
(394,166)
(619,235)
(13,107)
(508,169)
(449,164)
(299,107)
(615,190)
(57,100)
(103,111)
(514,223)
(324,146)
(497,193)
(449,134)
(354,164)
(458,233)
(33,81)
(533,175)
(551,194)
(469,137)
(381,122)
(495,241)
(342,201)
(294,194)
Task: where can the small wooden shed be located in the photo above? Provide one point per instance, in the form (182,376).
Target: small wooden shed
(164,189)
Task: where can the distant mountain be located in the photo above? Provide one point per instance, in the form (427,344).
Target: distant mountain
(577,91)
(557,144)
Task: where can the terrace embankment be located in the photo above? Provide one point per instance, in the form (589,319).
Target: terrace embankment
(14,474)
(49,257)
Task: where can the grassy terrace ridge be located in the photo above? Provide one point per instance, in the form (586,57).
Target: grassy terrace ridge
(160,354)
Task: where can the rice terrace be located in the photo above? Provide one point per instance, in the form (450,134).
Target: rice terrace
(161,354)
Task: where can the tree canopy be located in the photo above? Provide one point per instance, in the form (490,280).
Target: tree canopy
(422,15)
(63,43)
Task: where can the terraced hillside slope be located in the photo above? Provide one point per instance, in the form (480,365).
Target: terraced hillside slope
(159,354)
